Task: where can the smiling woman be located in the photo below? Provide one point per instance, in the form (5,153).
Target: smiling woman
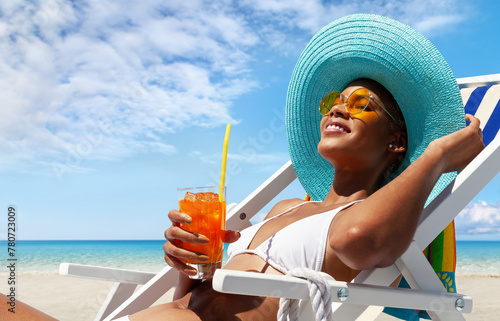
(101,94)
(362,217)
(361,103)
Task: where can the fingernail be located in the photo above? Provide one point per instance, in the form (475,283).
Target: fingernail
(187,218)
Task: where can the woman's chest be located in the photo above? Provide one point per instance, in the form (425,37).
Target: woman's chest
(293,224)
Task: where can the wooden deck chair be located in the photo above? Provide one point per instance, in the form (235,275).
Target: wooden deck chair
(369,292)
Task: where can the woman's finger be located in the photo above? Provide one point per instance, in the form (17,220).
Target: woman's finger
(179,265)
(177,233)
(231,236)
(178,217)
(183,254)
(474,124)
(471,119)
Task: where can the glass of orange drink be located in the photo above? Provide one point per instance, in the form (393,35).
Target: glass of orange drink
(208,213)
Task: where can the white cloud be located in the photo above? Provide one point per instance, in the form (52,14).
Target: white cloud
(479,218)
(129,72)
(427,16)
(436,23)
(123,73)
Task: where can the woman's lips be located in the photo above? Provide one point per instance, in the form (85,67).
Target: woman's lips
(336,127)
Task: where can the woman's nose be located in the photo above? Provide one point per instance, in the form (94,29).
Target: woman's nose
(339,110)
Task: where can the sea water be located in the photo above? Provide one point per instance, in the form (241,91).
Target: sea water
(473,257)
(46,256)
(478,258)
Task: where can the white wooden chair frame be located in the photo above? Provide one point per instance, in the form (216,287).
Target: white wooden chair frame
(427,291)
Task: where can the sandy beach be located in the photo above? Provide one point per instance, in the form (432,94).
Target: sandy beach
(68,298)
(64,298)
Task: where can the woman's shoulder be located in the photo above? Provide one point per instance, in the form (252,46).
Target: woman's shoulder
(283,206)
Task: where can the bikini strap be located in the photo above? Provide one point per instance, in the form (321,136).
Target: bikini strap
(292,208)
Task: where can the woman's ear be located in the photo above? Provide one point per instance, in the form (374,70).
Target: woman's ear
(398,142)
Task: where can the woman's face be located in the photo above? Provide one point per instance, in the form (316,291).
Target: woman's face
(359,140)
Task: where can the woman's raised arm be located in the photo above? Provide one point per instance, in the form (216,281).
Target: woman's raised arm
(375,232)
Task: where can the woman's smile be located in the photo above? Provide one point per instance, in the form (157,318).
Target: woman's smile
(335,126)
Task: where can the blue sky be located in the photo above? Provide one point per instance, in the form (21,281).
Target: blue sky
(109,106)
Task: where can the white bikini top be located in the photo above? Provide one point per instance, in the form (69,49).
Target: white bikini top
(300,244)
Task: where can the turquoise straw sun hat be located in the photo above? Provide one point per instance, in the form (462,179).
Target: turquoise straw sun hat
(384,50)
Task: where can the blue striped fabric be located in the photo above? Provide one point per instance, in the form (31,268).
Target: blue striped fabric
(491,128)
(478,105)
(475,99)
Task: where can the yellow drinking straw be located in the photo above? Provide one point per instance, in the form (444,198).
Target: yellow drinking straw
(224,158)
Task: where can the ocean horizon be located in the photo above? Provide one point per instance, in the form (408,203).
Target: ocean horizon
(474,258)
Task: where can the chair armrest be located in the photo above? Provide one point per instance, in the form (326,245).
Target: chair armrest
(250,283)
(105,273)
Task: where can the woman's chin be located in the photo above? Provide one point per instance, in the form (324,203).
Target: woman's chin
(329,154)
(326,149)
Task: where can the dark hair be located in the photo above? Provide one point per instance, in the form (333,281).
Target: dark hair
(394,125)
(393,108)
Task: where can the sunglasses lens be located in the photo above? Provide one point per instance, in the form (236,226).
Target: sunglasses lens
(355,103)
(358,101)
(330,100)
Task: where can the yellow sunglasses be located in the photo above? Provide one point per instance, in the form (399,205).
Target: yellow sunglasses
(354,104)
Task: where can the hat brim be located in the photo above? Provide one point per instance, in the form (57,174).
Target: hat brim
(379,48)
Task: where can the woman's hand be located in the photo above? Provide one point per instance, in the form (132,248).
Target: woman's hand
(458,149)
(175,255)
